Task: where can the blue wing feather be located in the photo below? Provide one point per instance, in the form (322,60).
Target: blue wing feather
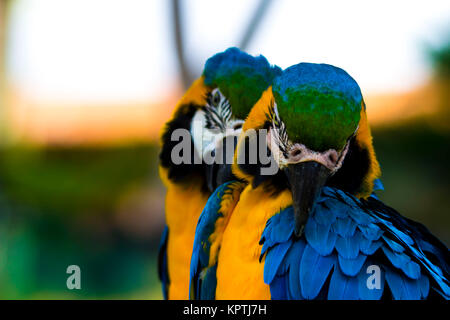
(351,267)
(421,245)
(343,287)
(367,246)
(320,237)
(279,289)
(347,248)
(343,237)
(274,260)
(208,283)
(314,270)
(293,265)
(200,251)
(370,288)
(344,227)
(402,288)
(202,276)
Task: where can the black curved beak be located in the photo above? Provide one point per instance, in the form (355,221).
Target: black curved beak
(306,180)
(220,171)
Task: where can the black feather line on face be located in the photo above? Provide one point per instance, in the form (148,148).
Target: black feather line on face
(278,125)
(217,111)
(273,184)
(181,173)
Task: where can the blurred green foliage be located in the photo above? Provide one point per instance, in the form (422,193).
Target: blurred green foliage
(57,207)
(414,160)
(74,180)
(440,59)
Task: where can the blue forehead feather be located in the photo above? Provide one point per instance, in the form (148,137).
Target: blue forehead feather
(233,60)
(324,78)
(240,77)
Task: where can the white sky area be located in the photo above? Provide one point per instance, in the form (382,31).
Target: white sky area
(119,50)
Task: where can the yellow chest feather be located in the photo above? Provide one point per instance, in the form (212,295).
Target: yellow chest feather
(239,272)
(183,208)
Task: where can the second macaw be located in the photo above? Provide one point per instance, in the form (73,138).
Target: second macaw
(211,111)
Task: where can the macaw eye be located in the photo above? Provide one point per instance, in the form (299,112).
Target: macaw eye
(333,157)
(237,126)
(216,98)
(296,152)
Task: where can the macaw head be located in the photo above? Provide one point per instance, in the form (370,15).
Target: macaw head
(317,133)
(213,110)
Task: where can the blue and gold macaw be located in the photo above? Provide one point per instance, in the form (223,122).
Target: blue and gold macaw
(314,229)
(211,111)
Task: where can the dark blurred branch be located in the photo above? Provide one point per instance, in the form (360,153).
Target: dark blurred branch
(254,23)
(178,22)
(4,10)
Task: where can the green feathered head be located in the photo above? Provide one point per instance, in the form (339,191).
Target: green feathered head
(320,105)
(240,77)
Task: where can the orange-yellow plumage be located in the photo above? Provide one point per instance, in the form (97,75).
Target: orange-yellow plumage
(364,139)
(184,204)
(239,272)
(183,207)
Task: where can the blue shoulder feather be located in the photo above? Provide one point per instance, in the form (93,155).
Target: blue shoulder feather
(163,271)
(203,276)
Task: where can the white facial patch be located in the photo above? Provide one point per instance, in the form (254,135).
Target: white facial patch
(204,139)
(210,126)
